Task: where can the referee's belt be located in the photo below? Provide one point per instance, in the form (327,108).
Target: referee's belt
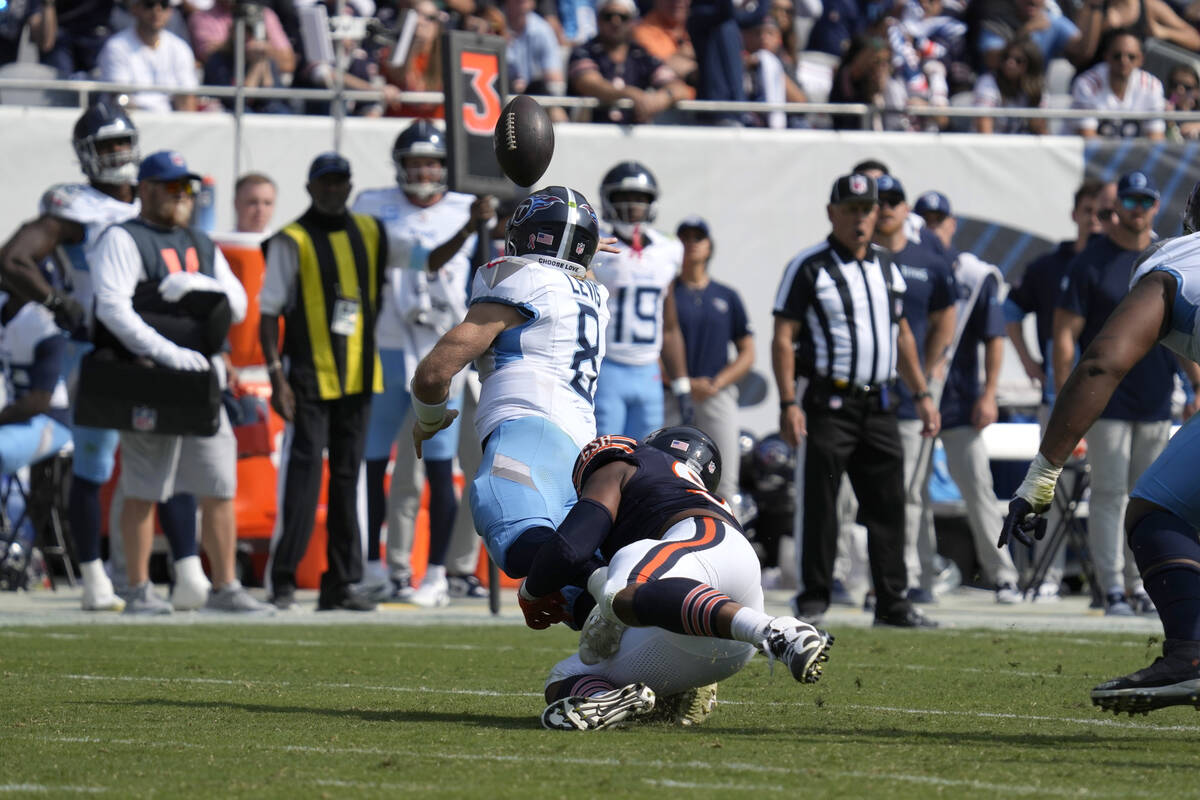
(849,388)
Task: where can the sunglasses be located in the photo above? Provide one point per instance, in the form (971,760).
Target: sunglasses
(154,3)
(178,186)
(1183,86)
(890,200)
(1144,203)
(614,16)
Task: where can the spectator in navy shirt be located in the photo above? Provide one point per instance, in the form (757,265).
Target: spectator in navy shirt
(612,67)
(967,408)
(1037,293)
(1135,425)
(711,316)
(929,309)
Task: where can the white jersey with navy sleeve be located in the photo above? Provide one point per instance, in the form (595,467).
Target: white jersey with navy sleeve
(418,308)
(31,354)
(637,280)
(1181,258)
(95,212)
(546,367)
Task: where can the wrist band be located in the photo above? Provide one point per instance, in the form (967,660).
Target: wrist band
(785,404)
(681,386)
(922,395)
(429,417)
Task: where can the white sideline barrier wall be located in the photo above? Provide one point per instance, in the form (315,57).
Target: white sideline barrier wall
(762,192)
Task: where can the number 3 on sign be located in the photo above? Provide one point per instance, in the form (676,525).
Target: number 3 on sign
(481,114)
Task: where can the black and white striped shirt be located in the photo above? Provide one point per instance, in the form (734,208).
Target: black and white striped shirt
(849,312)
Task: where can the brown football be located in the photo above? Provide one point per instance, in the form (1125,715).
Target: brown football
(524,140)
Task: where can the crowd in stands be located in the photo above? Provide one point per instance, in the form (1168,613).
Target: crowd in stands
(895,56)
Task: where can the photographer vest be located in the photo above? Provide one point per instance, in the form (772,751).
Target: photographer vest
(330,334)
(166,251)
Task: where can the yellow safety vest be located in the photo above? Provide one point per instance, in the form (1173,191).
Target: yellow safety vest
(335,266)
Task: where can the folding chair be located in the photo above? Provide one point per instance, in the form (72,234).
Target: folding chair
(1068,528)
(42,490)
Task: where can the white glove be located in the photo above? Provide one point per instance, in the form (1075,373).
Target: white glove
(1038,487)
(177,284)
(185,359)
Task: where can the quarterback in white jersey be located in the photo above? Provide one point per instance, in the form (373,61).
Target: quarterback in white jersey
(1163,515)
(535,329)
(639,278)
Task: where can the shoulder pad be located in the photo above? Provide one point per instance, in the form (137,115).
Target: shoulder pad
(598,452)
(60,197)
(500,269)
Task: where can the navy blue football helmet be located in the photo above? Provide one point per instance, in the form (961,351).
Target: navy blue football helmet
(629,176)
(693,447)
(556,222)
(104,122)
(422,138)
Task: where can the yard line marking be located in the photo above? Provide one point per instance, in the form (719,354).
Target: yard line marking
(983,670)
(737,787)
(1099,722)
(653,764)
(40,788)
(410,786)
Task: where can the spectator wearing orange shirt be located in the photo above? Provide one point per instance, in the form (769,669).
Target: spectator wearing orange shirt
(663,34)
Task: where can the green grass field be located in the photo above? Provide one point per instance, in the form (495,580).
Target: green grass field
(401,711)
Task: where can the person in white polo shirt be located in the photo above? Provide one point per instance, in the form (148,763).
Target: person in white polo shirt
(146,53)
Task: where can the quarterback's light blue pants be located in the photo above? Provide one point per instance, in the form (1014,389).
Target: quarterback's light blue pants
(389,409)
(28,442)
(629,399)
(1171,481)
(524,481)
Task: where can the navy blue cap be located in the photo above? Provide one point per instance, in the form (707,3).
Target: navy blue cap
(1137,184)
(886,184)
(932,203)
(693,223)
(853,187)
(329,163)
(165,165)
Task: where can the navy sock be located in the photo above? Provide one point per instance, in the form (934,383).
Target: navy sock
(177,517)
(376,505)
(1168,556)
(443,506)
(83,515)
(679,605)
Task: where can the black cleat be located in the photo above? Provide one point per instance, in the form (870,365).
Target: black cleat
(1172,680)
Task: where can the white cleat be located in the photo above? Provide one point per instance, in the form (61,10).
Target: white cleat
(599,638)
(191,585)
(802,647)
(604,710)
(101,598)
(432,593)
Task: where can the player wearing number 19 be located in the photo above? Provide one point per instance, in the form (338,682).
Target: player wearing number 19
(535,328)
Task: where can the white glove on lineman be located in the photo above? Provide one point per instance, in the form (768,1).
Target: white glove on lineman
(185,359)
(177,284)
(1038,487)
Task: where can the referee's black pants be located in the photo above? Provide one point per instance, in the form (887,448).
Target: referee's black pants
(856,436)
(339,425)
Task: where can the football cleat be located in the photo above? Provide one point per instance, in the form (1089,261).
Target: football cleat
(603,710)
(691,707)
(599,638)
(1172,680)
(804,648)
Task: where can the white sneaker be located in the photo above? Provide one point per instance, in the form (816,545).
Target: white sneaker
(101,597)
(799,645)
(1008,595)
(599,638)
(1047,593)
(434,592)
(191,588)
(98,593)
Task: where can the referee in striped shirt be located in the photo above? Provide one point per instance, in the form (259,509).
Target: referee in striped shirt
(839,341)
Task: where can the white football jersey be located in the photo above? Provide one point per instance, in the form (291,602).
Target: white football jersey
(1180,257)
(95,211)
(1144,93)
(418,308)
(548,366)
(637,282)
(20,339)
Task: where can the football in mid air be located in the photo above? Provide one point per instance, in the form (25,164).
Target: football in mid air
(524,140)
